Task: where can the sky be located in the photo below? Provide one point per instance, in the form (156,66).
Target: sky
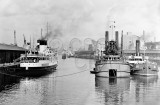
(81,19)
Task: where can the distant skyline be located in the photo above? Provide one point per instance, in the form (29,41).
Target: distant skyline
(77,18)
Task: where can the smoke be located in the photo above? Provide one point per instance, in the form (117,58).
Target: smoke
(67,18)
(53,33)
(78,18)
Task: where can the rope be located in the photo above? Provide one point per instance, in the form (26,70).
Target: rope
(70,74)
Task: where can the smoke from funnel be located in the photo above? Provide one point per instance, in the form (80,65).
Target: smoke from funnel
(53,33)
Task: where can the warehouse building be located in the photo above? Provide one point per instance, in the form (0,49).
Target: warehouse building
(8,53)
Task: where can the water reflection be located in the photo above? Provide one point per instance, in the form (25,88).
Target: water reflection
(112,91)
(8,82)
(145,89)
(144,81)
(78,88)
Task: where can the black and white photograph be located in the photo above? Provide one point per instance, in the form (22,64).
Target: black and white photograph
(79,52)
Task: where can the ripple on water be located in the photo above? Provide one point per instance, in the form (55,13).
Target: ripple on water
(68,85)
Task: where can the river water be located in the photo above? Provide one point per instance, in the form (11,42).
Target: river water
(72,84)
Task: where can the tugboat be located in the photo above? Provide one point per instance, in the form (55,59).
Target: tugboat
(112,64)
(146,69)
(140,65)
(136,58)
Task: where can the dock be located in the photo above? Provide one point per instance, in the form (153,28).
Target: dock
(8,65)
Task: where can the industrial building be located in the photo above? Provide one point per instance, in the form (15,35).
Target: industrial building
(129,41)
(152,45)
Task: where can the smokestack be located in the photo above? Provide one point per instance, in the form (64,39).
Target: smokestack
(106,39)
(122,44)
(117,38)
(106,36)
(137,47)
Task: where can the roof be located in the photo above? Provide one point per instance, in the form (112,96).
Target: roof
(11,47)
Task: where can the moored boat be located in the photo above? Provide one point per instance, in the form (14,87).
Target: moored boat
(135,59)
(112,66)
(45,58)
(42,61)
(112,63)
(145,69)
(140,65)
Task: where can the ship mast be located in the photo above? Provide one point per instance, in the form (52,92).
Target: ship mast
(41,32)
(47,28)
(15,41)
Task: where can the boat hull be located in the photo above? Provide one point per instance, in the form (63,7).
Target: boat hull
(145,72)
(42,65)
(145,69)
(31,72)
(112,70)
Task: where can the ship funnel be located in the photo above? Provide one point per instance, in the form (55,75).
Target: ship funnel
(106,39)
(122,43)
(42,45)
(137,47)
(117,38)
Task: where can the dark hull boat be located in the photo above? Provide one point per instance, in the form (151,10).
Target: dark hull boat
(31,72)
(33,64)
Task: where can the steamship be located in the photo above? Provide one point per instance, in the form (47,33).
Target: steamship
(136,58)
(44,59)
(112,64)
(35,63)
(140,65)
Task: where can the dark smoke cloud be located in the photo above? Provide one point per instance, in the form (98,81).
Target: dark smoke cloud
(55,33)
(66,17)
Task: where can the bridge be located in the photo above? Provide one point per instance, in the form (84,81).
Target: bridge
(151,53)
